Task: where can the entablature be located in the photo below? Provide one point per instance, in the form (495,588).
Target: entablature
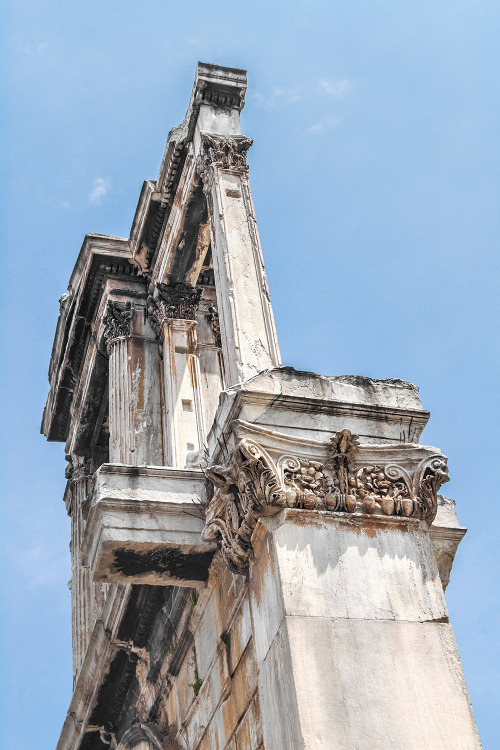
(100,258)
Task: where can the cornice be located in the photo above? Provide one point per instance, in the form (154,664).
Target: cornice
(214,86)
(230,409)
(74,332)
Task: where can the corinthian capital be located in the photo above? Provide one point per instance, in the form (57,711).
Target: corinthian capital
(226,152)
(254,484)
(173,302)
(116,320)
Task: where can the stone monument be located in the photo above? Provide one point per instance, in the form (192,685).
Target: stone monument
(259,555)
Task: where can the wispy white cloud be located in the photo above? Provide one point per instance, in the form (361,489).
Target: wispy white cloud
(335,86)
(100,188)
(192,41)
(283,95)
(277,96)
(34,49)
(323,125)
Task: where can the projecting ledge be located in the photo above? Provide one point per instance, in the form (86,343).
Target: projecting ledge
(144,526)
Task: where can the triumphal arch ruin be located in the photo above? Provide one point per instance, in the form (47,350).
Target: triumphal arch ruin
(259,554)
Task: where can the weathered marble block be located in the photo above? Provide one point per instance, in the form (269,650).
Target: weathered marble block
(144,525)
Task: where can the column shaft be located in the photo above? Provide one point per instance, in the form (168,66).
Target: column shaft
(184,419)
(135,427)
(249,340)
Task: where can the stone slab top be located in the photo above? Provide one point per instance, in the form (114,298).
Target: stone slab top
(356,389)
(281,398)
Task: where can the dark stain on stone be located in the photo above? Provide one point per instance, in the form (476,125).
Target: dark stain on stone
(225,637)
(168,561)
(92,741)
(150,620)
(369,530)
(113,691)
(142,608)
(196,214)
(163,637)
(128,714)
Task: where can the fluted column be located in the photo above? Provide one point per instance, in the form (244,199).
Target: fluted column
(135,429)
(248,333)
(172,314)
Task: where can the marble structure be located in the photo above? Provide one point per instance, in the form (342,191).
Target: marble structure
(259,555)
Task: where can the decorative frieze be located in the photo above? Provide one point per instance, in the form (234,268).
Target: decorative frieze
(254,484)
(117,320)
(179,302)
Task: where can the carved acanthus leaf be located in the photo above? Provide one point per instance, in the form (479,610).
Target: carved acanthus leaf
(77,468)
(117,320)
(226,152)
(248,488)
(431,474)
(173,302)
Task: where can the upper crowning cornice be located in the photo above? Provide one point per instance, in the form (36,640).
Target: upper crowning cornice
(214,86)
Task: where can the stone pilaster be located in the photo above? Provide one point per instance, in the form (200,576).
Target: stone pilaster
(352,635)
(78,473)
(210,355)
(348,610)
(173,314)
(248,334)
(87,596)
(135,429)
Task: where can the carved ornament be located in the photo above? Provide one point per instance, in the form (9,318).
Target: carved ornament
(213,319)
(173,302)
(77,468)
(117,320)
(253,485)
(226,152)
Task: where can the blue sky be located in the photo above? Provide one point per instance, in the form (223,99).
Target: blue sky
(375,173)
